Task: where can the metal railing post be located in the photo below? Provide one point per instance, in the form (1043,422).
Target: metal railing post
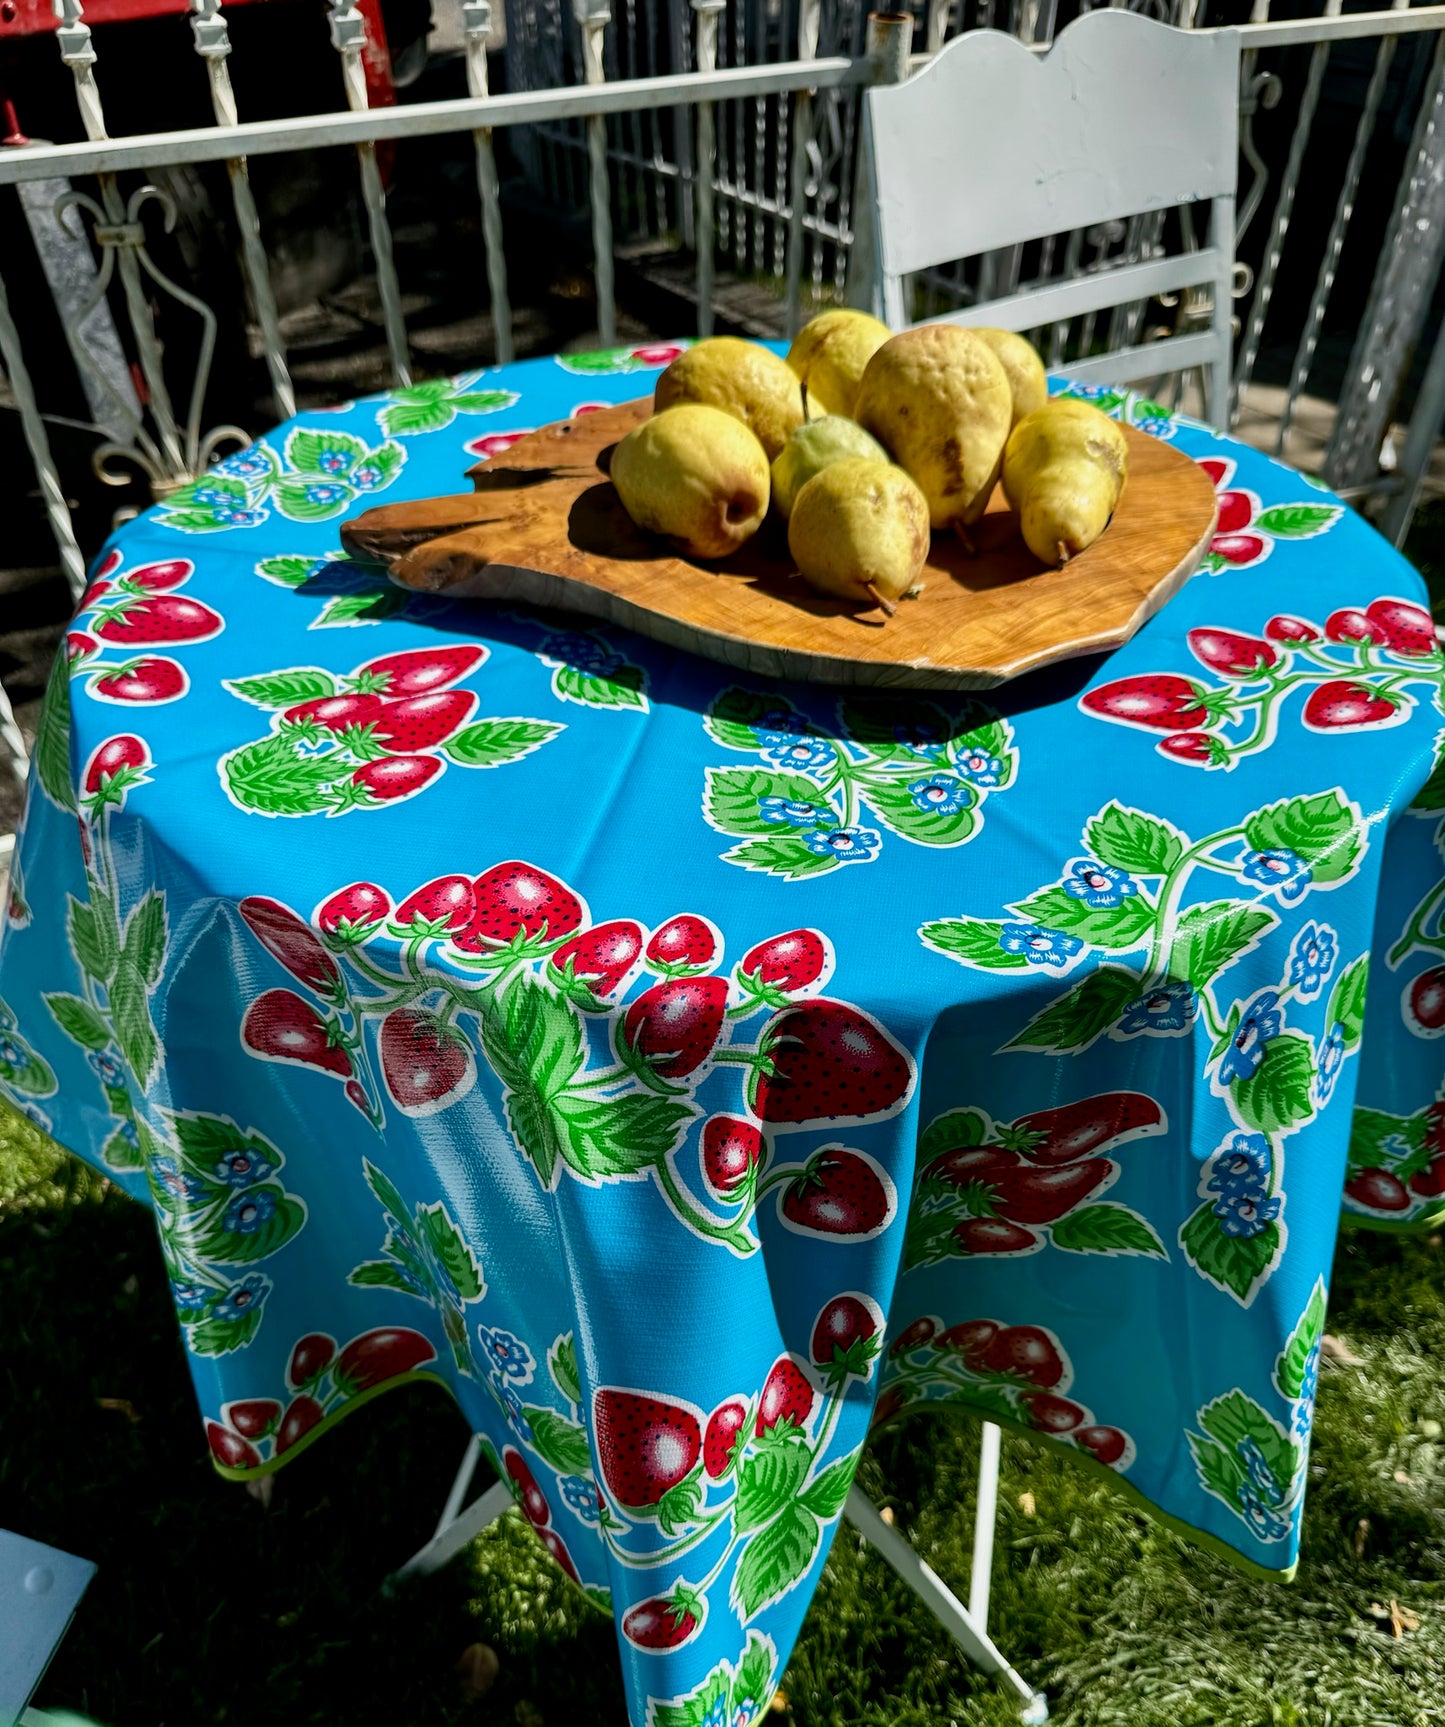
(889,39)
(593,17)
(706,23)
(810,15)
(477,26)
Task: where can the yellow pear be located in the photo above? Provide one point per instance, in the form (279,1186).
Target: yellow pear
(937,398)
(696,476)
(747,381)
(859,530)
(830,354)
(812,448)
(1027,379)
(1063,471)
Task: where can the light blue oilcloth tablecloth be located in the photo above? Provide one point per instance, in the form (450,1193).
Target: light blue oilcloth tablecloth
(622,1042)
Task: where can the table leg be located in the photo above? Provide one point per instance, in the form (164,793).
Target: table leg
(455,1528)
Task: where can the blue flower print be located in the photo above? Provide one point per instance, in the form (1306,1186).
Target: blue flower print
(333,462)
(1285,872)
(1332,1059)
(1304,1407)
(34,1113)
(1157,426)
(942,795)
(717,1714)
(11,1053)
(326,494)
(742,1716)
(847,845)
(243,1168)
(167,1174)
(799,753)
(793,811)
(239,518)
(1099,885)
(127,1132)
(1039,946)
(190,1297)
(509,1356)
(107,1067)
(509,1401)
(368,479)
(1170,1007)
(581,1495)
(917,734)
(1265,1522)
(1241,1167)
(1312,959)
(211,495)
(1245,1214)
(249,1212)
(1260,1022)
(242,1299)
(584,653)
(244,465)
(1088,392)
(1261,1476)
(979,767)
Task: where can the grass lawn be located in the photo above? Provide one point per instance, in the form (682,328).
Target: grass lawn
(209,1608)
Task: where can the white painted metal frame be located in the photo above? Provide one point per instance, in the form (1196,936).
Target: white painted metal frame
(1078,156)
(967,1625)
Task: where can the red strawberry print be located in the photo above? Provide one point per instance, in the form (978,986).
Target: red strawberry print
(603,955)
(529,1496)
(887,1406)
(1236,511)
(557,1547)
(1285,628)
(664,1622)
(645,1445)
(1218,471)
(1230,652)
(1050,1414)
(93,596)
(1029,1352)
(913,1336)
(448,901)
(1044,1195)
(1378,1190)
(787,1396)
(310,1357)
(495,444)
(1343,706)
(426,1065)
(109,564)
(419,671)
(975,1163)
(335,713)
(677,1024)
(971,1339)
(112,757)
(396,777)
(1240,549)
(515,899)
(683,940)
(1425,1000)
(1073,1130)
(993,1235)
(280,1026)
(356,1093)
(1435,1127)
(730,1149)
(420,722)
(723,1427)
(1429,1183)
(229,1448)
(797,960)
(253,1417)
(843,1324)
(1201,748)
(1107,1444)
(1161,701)
(379,1355)
(302,1414)
(286,938)
(79,646)
(162,577)
(830,1063)
(656,354)
(362,905)
(840,1193)
(1349,624)
(144,680)
(1409,629)
(589,408)
(164,618)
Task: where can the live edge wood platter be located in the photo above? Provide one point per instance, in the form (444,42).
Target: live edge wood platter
(546,526)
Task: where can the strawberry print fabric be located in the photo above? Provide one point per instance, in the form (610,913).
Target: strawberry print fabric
(689,1071)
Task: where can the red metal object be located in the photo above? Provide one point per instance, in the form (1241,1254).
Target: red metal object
(36,18)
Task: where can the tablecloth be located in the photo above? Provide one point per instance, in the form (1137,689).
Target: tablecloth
(687,1070)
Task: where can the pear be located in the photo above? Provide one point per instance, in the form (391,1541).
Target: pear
(747,381)
(830,354)
(859,530)
(1027,380)
(696,476)
(938,399)
(812,448)
(1063,471)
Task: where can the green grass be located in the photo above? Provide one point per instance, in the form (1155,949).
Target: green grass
(208,1608)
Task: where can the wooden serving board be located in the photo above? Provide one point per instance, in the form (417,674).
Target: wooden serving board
(546,525)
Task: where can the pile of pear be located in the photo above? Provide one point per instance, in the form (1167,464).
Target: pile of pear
(864,443)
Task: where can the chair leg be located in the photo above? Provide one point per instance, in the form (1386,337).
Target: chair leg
(964,1624)
(455,1528)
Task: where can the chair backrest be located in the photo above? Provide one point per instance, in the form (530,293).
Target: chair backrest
(991,145)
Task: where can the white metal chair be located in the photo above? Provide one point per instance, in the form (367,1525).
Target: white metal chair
(992,145)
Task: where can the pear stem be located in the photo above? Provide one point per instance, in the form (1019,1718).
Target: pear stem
(965,539)
(1062,552)
(884,602)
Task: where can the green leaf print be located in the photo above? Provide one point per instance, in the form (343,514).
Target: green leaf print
(1347,1000)
(450,1251)
(1236,1263)
(1296,521)
(271,778)
(1130,840)
(826,1496)
(1430,799)
(775,1560)
(385,1190)
(875,722)
(1106,1228)
(78,1020)
(734,795)
(384,1274)
(287,572)
(283,689)
(535,1047)
(620,689)
(231,1247)
(562,1365)
(1289,1370)
(893,804)
(203,1140)
(1275,1099)
(1118,928)
(958,1130)
(52,738)
(373,606)
(1210,938)
(221,1336)
(753,1682)
(491,743)
(1371,1131)
(306,498)
(93,935)
(414,414)
(733,717)
(1221,1472)
(559,1442)
(307,450)
(130,1010)
(769,1480)
(972,941)
(144,944)
(1325,830)
(1234,1417)
(604,1140)
(196,521)
(483,401)
(120,1151)
(782,855)
(1075,1020)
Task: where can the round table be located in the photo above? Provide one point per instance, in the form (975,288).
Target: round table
(688,1071)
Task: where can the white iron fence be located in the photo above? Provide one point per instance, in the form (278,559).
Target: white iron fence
(728,132)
